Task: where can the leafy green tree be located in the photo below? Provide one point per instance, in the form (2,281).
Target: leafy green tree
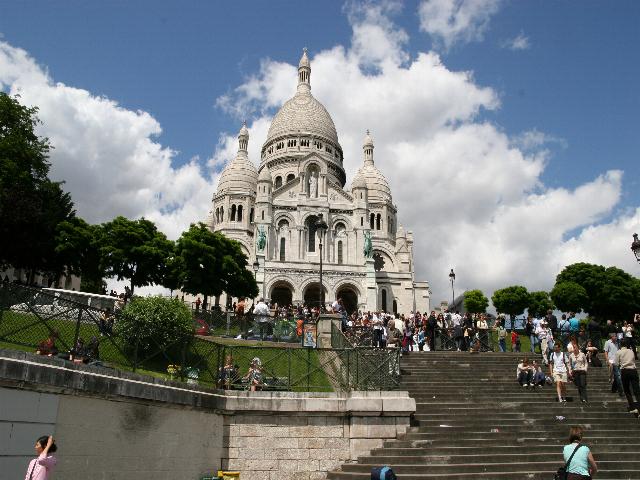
(78,248)
(154,323)
(475,301)
(31,205)
(539,304)
(609,292)
(569,296)
(511,300)
(134,249)
(212,264)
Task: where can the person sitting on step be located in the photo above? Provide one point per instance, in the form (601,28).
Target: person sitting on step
(539,378)
(524,373)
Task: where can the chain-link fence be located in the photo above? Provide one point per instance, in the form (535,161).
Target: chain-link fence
(45,322)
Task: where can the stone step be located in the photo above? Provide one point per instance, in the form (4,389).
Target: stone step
(525,455)
(482,466)
(401,448)
(618,474)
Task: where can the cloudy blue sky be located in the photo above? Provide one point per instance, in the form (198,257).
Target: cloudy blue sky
(508,129)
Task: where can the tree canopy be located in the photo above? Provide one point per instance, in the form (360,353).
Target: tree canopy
(31,205)
(511,300)
(600,291)
(475,301)
(135,250)
(211,264)
(78,248)
(539,304)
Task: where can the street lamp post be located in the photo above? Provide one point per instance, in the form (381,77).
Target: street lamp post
(452,279)
(321,227)
(635,247)
(256,267)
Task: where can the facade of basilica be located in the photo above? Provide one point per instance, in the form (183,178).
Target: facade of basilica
(273,211)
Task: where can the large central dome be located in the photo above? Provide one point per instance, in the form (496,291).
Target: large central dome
(303,113)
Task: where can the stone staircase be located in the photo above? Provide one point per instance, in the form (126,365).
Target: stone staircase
(473,421)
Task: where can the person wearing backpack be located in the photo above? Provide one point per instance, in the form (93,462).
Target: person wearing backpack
(560,370)
(579,461)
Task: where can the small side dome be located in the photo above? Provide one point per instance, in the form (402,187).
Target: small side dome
(358,182)
(240,175)
(265,175)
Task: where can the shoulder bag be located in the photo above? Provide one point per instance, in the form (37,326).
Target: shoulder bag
(561,474)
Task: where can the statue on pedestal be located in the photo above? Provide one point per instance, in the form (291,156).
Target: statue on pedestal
(313,186)
(368,245)
(261,241)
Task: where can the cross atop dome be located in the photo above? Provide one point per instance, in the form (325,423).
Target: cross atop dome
(304,72)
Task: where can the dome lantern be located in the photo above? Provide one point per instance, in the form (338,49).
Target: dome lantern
(304,72)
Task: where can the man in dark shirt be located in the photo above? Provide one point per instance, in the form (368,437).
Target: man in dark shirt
(552,321)
(432,325)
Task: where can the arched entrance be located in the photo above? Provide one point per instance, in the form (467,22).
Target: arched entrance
(282,293)
(312,295)
(349,298)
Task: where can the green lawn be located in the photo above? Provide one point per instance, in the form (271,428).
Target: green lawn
(295,368)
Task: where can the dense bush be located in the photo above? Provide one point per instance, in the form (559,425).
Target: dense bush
(154,323)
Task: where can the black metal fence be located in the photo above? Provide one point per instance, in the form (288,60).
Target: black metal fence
(365,366)
(39,321)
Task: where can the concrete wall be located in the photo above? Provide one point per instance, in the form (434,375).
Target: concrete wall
(118,425)
(24,417)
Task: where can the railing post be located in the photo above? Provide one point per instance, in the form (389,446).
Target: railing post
(308,366)
(357,354)
(289,368)
(348,376)
(76,334)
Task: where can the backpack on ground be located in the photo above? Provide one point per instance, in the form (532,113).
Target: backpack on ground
(382,473)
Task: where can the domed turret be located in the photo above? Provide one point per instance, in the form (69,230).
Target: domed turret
(376,182)
(240,175)
(358,182)
(265,175)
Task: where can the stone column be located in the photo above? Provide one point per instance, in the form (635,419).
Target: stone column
(372,287)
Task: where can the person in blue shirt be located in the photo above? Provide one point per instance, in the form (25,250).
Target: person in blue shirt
(582,465)
(574,323)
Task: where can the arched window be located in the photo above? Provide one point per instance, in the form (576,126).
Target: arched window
(362,221)
(290,177)
(372,221)
(278,183)
(378,222)
(251,212)
(384,300)
(311,232)
(282,249)
(240,213)
(233,213)
(222,214)
(217,214)
(262,214)
(339,252)
(395,306)
(391,225)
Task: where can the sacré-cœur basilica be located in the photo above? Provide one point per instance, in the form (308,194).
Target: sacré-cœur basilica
(273,210)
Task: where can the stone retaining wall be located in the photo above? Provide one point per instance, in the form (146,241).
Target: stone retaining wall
(119,425)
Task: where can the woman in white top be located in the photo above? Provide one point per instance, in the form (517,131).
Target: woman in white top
(579,364)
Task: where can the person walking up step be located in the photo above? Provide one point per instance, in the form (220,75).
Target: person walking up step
(625,360)
(560,370)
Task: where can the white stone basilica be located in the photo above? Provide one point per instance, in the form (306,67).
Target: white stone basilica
(301,179)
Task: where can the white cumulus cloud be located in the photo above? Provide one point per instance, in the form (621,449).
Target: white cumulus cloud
(472,195)
(456,21)
(109,157)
